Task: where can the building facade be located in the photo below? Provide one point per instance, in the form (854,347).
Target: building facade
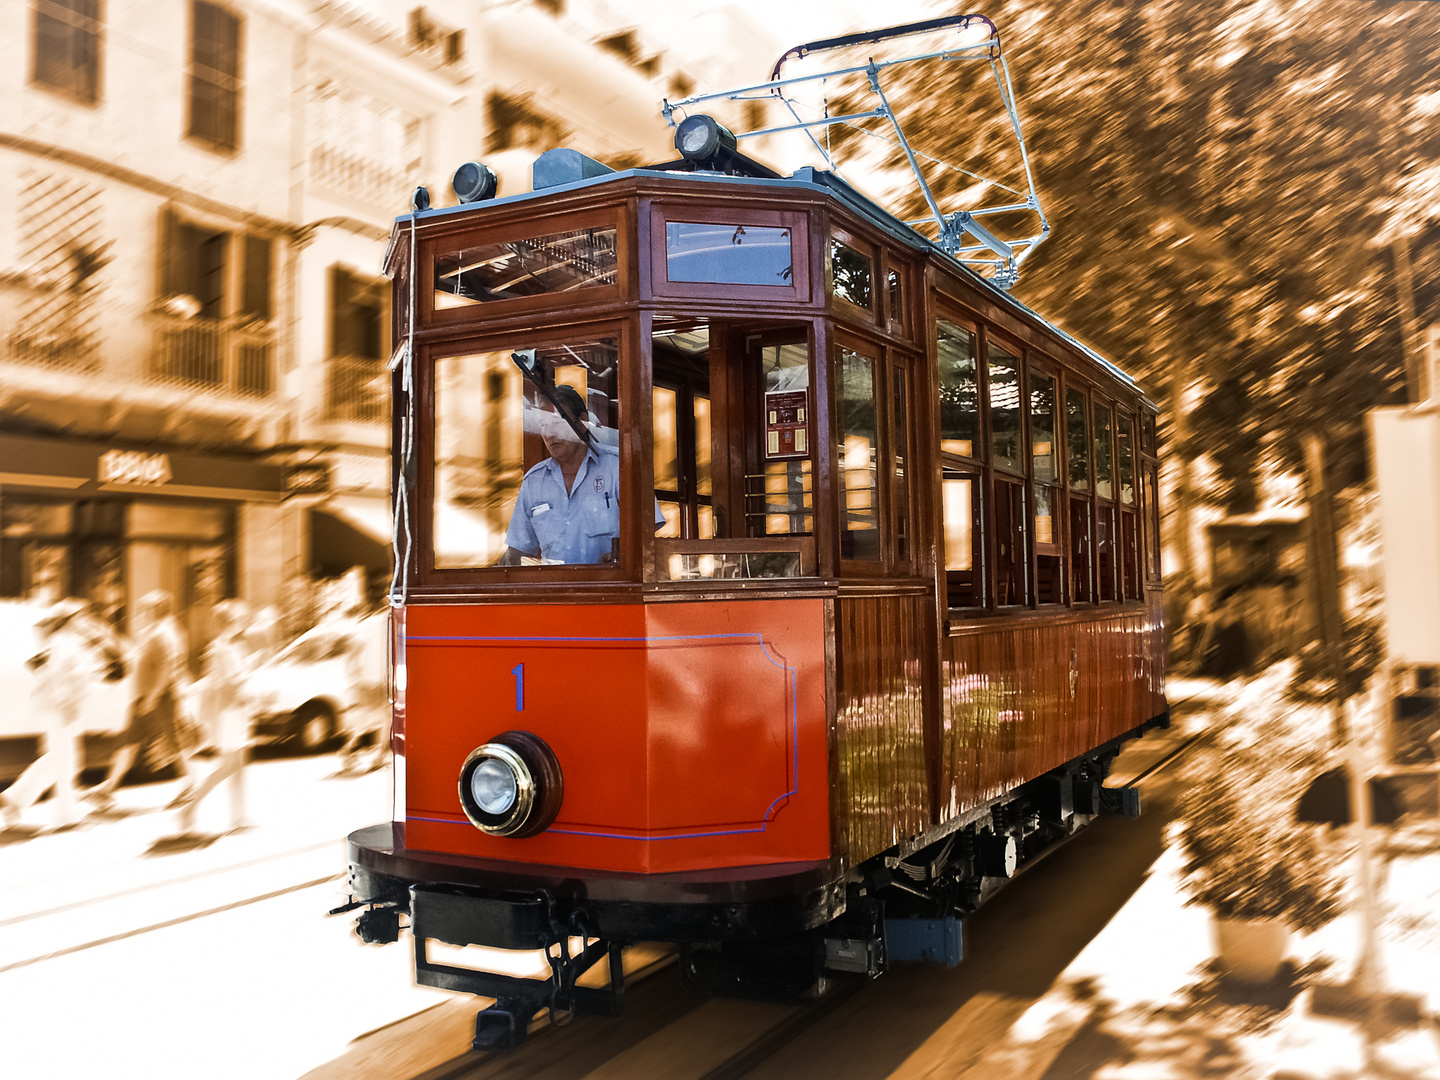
(194,200)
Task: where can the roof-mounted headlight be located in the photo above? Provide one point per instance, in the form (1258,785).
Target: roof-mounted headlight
(700,137)
(512,786)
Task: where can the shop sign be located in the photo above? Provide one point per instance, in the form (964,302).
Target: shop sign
(311,478)
(134,467)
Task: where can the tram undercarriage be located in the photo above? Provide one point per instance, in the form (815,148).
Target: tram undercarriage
(787,933)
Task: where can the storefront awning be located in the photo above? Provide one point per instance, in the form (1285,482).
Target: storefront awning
(350,530)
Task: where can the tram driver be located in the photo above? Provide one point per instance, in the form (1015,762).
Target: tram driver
(568,508)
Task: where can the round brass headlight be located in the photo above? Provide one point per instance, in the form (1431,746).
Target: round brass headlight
(512,785)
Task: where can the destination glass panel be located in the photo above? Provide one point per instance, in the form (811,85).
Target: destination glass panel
(727,253)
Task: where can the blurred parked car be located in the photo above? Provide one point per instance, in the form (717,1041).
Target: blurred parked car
(303,691)
(22,722)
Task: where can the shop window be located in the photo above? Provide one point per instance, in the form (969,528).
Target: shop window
(357,387)
(1049,499)
(214,76)
(527,457)
(963,561)
(1012,566)
(67,48)
(851,274)
(728,253)
(531,266)
(1007,424)
(857,432)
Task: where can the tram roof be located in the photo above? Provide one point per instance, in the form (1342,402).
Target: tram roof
(806,178)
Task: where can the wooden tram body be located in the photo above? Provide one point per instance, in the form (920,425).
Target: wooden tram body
(904,605)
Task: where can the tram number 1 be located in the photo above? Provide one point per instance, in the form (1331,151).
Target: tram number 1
(519,672)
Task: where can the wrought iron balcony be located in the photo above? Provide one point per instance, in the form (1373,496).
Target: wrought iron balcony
(357,390)
(223,355)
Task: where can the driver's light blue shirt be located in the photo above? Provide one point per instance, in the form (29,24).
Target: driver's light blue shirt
(574,527)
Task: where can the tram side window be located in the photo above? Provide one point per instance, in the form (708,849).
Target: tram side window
(1105,540)
(900,453)
(851,275)
(1152,524)
(1050,554)
(1007,452)
(1077,446)
(1129,536)
(962,538)
(857,430)
(961,509)
(527,464)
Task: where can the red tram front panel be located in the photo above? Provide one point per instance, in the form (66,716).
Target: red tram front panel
(690,735)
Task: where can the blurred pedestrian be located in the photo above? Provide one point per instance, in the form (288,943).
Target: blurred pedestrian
(369,712)
(227,675)
(154,732)
(72,657)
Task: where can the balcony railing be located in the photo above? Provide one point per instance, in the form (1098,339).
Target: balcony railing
(214,354)
(357,390)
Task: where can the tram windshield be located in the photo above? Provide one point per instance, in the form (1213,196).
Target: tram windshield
(527,466)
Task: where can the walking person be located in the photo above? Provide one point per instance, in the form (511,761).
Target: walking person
(155,726)
(227,673)
(73,655)
(368,661)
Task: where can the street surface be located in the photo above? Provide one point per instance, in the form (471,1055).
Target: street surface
(127,953)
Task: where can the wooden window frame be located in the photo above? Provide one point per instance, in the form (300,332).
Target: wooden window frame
(1100,503)
(846,341)
(797,221)
(1060,507)
(898,323)
(843,306)
(507,229)
(628,569)
(976,466)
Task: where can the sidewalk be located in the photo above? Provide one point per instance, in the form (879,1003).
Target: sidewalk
(1148,998)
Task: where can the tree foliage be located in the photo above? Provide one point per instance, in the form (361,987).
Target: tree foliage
(1225,182)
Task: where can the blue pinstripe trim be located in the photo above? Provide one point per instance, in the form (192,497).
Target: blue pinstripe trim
(758,639)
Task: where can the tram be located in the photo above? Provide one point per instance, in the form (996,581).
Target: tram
(768,581)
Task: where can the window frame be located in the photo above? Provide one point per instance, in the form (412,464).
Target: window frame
(975,467)
(843,305)
(194,77)
(422,512)
(663,211)
(603,217)
(75,32)
(1060,517)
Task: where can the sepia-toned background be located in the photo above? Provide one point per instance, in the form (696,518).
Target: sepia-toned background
(195,197)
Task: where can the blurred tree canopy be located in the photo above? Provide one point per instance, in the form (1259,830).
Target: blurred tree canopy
(1226,183)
